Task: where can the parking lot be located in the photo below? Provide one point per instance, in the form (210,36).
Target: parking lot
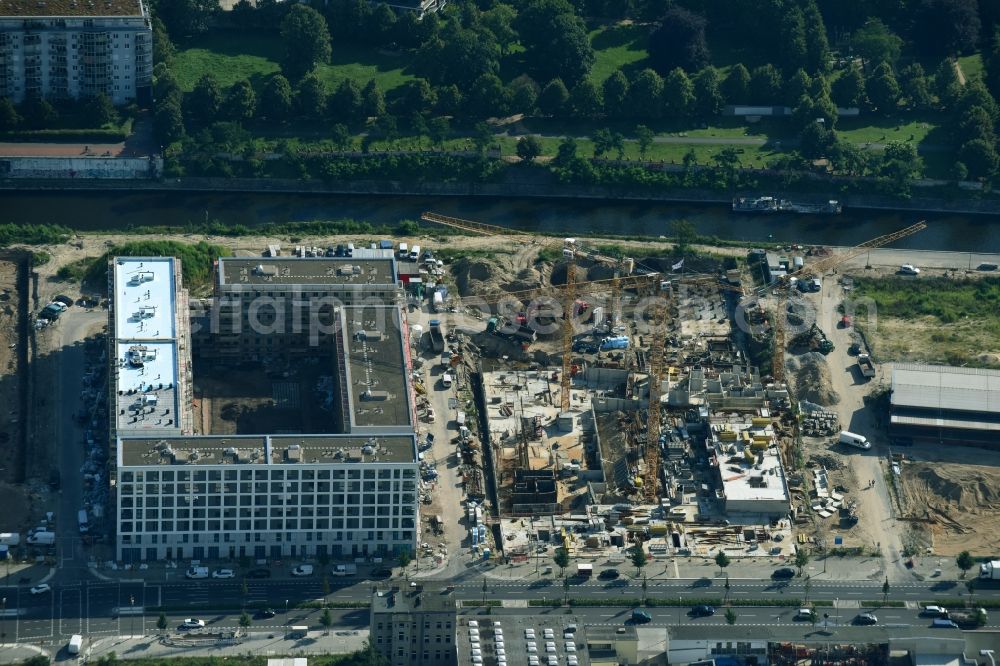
(521,641)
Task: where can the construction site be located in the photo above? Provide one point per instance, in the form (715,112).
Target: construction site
(649,418)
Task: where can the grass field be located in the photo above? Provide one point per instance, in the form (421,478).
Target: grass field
(882,130)
(935,319)
(617,47)
(972,66)
(235,56)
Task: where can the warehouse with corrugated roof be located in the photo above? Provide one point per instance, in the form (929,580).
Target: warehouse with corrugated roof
(945,404)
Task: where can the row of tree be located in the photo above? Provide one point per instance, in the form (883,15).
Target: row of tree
(36,113)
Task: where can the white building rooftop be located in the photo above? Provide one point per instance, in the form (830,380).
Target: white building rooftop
(144,298)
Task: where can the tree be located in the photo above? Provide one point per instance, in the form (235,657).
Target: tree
(499,20)
(326,619)
(645,95)
(875,43)
(204,101)
(566,153)
(721,559)
(241,102)
(555,41)
(561,559)
(276,99)
(161,622)
(244,620)
(449,98)
(438,129)
(883,90)
(946,27)
(585,100)
(615,91)
(730,616)
(965,562)
(797,85)
(346,104)
(100,111)
(816,140)
(900,162)
(382,24)
(801,559)
(806,588)
(765,85)
(169,123)
(416,95)
(708,100)
(792,34)
(684,236)
(678,94)
(604,142)
(341,137)
(644,136)
(980,157)
(488,97)
(885,591)
(306,41)
(959,172)
(678,40)
(991,61)
(736,85)
(458,56)
(163,48)
(946,84)
(523,94)
(974,93)
(639,558)
(817,44)
(165,86)
(528,148)
(403,559)
(975,123)
(914,86)
(554,97)
(184,18)
(372,100)
(311,97)
(482,137)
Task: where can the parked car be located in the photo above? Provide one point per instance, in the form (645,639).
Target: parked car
(303,570)
(259,573)
(223,573)
(264,614)
(609,574)
(65,300)
(192,623)
(987,266)
(783,573)
(702,611)
(909,269)
(381,573)
(41,588)
(934,611)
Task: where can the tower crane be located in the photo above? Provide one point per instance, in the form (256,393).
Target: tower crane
(819,267)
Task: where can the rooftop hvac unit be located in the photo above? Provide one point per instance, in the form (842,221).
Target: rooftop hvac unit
(295,452)
(368,450)
(375,395)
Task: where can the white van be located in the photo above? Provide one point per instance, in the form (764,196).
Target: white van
(857,441)
(446,380)
(415,253)
(196,572)
(404,251)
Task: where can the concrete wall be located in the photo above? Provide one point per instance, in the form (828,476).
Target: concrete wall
(605,377)
(615,404)
(118,168)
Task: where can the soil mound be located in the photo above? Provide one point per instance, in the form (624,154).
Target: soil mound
(812,379)
(526,278)
(474,275)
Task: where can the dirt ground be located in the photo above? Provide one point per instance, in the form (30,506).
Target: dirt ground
(10,422)
(959,500)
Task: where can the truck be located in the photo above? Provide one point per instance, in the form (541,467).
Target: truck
(972,618)
(437,301)
(990,570)
(345,570)
(42,539)
(196,572)
(75,643)
(83,520)
(446,380)
(855,440)
(584,570)
(437,336)
(404,251)
(866,366)
(10,538)
(614,342)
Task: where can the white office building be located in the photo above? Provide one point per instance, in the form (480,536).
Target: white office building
(75,48)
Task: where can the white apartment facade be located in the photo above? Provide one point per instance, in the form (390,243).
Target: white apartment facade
(75,48)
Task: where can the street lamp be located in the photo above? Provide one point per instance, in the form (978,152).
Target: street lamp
(131,603)
(3,620)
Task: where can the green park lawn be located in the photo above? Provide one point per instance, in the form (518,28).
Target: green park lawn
(233,56)
(865,129)
(617,47)
(972,65)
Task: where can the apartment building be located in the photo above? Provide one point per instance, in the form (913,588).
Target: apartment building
(75,48)
(348,492)
(414,626)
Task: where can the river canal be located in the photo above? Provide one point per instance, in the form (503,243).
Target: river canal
(132,210)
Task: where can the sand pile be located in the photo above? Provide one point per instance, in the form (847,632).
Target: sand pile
(474,276)
(526,278)
(811,376)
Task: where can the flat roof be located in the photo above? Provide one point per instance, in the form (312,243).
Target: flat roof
(144,298)
(58,8)
(845,634)
(147,358)
(378,386)
(764,480)
(946,388)
(425,598)
(268,450)
(312,271)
